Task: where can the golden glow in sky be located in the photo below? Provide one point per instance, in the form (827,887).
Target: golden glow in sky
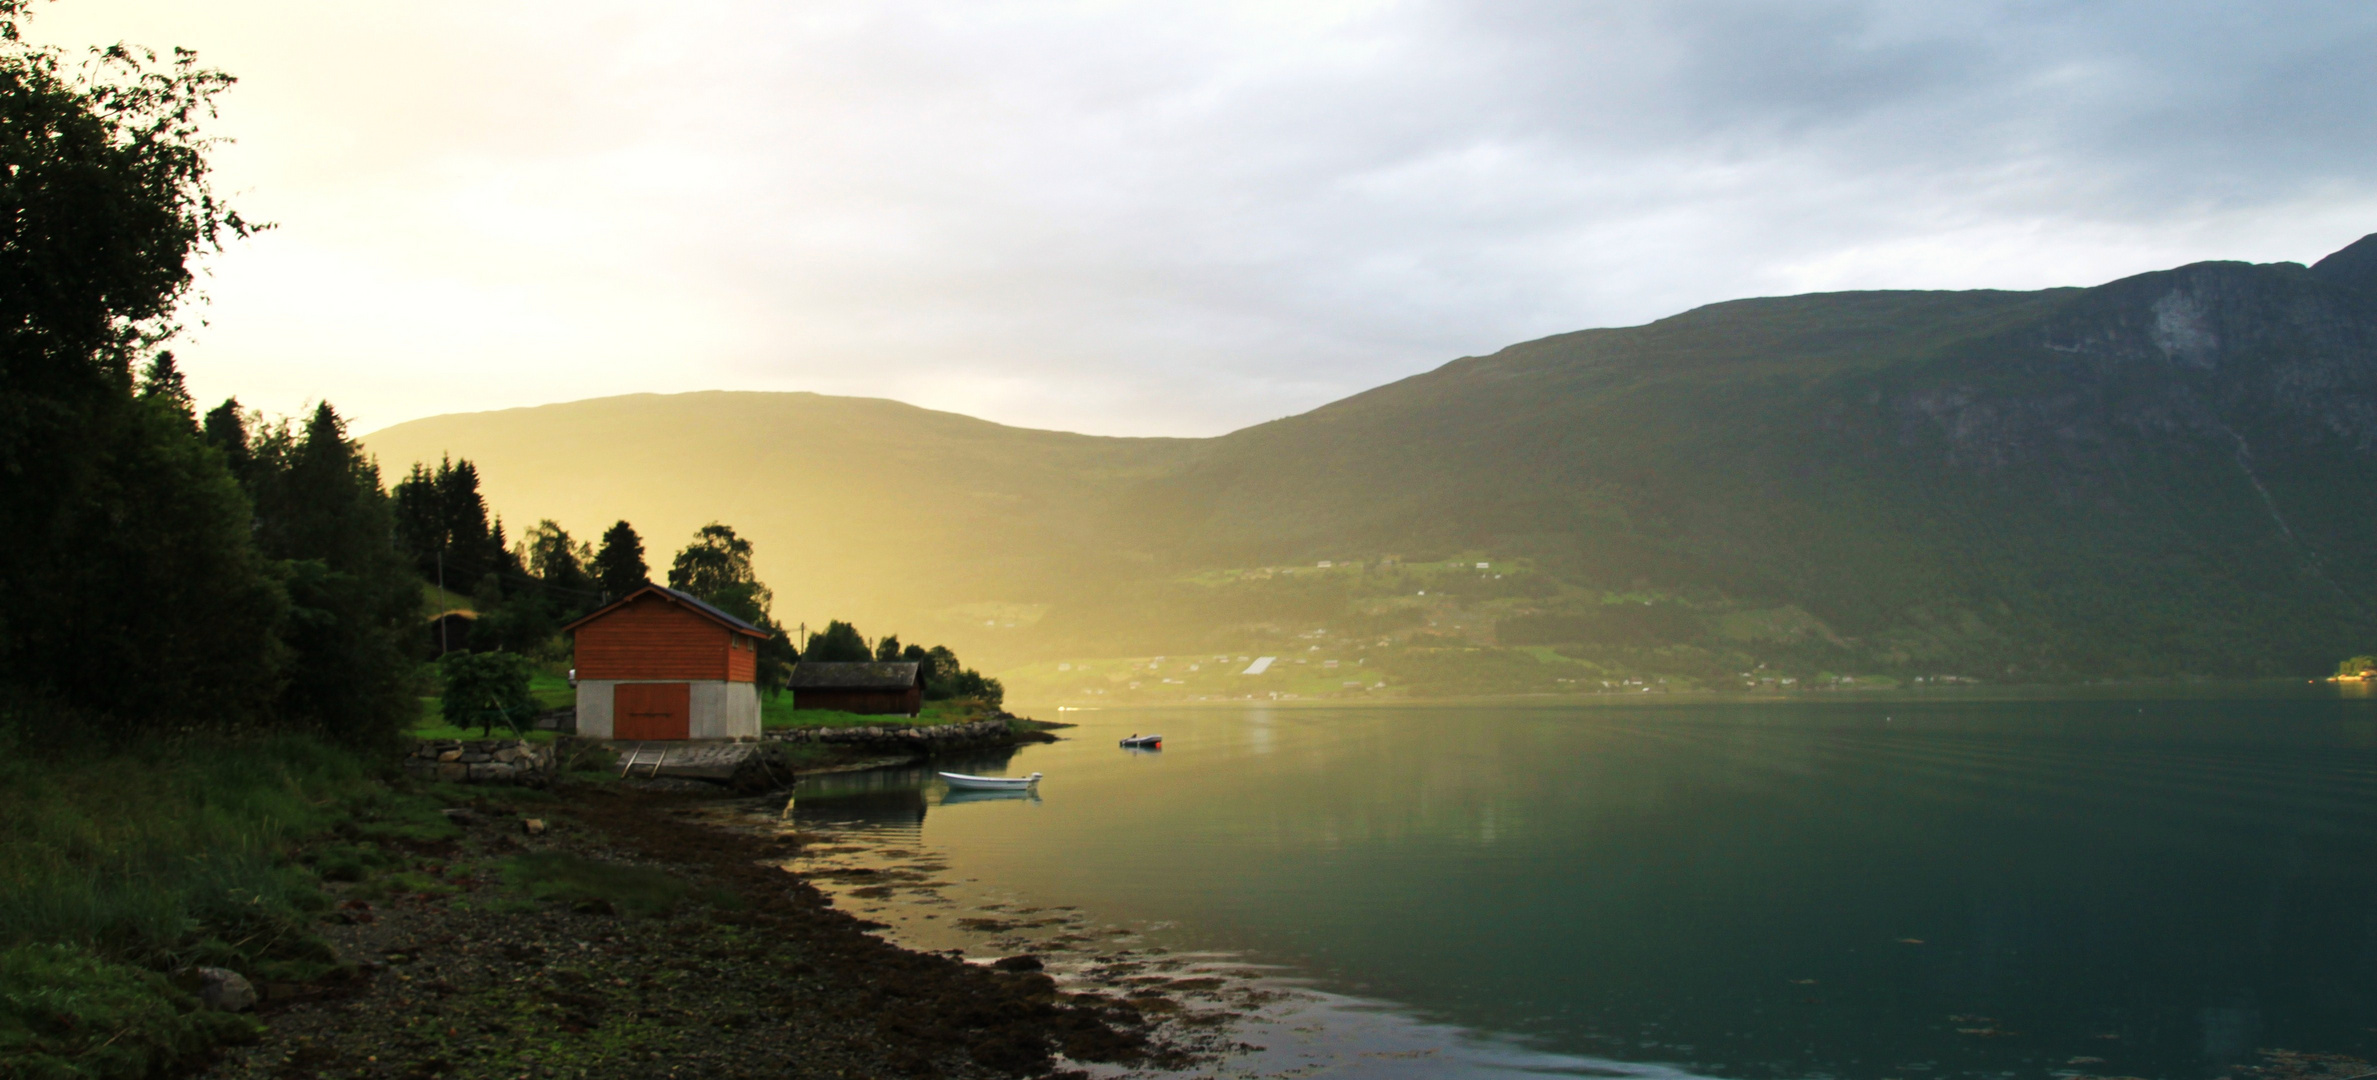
(1183,218)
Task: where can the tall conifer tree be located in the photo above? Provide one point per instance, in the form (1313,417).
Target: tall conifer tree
(619,566)
(355,598)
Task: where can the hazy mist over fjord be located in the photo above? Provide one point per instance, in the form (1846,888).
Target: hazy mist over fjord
(1182,219)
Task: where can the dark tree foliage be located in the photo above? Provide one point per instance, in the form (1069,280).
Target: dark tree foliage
(442,525)
(516,620)
(838,643)
(354,600)
(558,580)
(129,591)
(500,558)
(776,656)
(557,561)
(944,677)
(420,522)
(522,603)
(161,608)
(619,567)
(486,690)
(716,567)
(162,382)
(226,429)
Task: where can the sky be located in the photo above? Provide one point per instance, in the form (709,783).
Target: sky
(1184,218)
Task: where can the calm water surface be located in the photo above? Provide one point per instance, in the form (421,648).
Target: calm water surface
(2108,888)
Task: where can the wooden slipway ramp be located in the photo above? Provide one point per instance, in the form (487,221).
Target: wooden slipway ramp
(743,766)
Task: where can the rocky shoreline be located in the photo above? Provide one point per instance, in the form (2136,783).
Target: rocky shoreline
(919,740)
(705,958)
(772,762)
(574,927)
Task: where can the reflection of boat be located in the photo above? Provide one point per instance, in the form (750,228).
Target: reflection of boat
(990,783)
(1145,742)
(955,796)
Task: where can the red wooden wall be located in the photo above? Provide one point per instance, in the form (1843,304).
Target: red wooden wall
(742,661)
(651,638)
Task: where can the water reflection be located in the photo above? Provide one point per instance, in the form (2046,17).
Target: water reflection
(2040,889)
(896,797)
(960,796)
(876,799)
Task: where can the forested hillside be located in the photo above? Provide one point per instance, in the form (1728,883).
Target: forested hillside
(2161,475)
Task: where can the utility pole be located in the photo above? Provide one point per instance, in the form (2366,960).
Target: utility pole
(443,608)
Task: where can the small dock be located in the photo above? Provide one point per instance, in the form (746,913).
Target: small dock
(744,766)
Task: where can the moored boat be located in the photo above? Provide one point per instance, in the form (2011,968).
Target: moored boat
(990,783)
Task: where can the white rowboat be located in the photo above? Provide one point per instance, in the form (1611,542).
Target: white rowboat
(990,783)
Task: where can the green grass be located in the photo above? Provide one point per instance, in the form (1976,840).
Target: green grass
(777,712)
(435,601)
(552,691)
(129,853)
(66,1012)
(171,854)
(437,728)
(595,885)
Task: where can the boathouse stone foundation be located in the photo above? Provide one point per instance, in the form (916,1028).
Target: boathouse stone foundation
(482,761)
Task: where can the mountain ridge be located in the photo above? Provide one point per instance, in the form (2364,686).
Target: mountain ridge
(2142,476)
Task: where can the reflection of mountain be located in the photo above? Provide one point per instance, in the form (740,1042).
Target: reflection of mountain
(2159,473)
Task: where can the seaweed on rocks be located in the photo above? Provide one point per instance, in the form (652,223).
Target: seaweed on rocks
(469,968)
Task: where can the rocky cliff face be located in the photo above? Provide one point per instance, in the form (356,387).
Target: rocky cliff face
(2226,352)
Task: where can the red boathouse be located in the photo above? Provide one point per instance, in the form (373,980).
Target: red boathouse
(660,664)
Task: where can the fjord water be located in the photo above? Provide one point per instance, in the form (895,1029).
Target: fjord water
(2116,888)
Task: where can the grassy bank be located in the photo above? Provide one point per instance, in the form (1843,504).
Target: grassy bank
(551,690)
(777,712)
(118,870)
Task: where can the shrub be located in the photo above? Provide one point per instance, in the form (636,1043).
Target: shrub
(486,689)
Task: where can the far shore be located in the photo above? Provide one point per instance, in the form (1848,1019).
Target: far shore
(2107,690)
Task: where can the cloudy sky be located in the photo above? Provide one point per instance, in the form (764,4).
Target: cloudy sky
(1159,218)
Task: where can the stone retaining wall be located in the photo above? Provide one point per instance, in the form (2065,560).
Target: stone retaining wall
(904,738)
(482,761)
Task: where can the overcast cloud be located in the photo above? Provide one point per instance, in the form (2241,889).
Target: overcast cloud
(1184,218)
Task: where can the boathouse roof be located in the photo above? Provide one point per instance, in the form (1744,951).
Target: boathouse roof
(688,600)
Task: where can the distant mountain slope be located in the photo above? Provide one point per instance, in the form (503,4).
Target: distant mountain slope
(2164,473)
(859,506)
(2167,471)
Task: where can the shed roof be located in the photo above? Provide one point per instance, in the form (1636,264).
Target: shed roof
(673,596)
(854,675)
